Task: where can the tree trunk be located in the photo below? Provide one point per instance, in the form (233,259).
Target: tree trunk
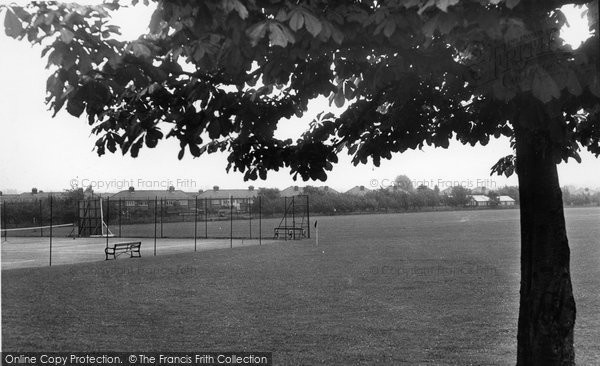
(547,307)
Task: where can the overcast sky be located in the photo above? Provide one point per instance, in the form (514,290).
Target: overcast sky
(54,154)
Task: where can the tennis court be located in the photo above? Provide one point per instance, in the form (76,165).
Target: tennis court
(22,252)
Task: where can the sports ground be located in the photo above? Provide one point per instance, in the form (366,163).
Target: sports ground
(435,288)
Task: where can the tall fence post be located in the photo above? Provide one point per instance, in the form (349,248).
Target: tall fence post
(259,220)
(308,215)
(155,223)
(205,218)
(107,219)
(50,261)
(230,221)
(196,225)
(162,207)
(120,214)
(41,223)
(294,216)
(3,218)
(285,218)
(250,216)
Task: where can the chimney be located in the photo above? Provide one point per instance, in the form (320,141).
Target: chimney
(251,188)
(215,188)
(362,188)
(295,188)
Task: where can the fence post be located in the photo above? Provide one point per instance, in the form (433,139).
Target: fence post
(230,221)
(285,218)
(107,219)
(155,223)
(4,204)
(259,220)
(308,215)
(161,217)
(205,219)
(50,264)
(196,225)
(120,214)
(250,216)
(294,216)
(41,221)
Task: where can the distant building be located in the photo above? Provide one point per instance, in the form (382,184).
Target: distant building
(295,190)
(482,190)
(478,200)
(506,201)
(240,199)
(447,192)
(358,191)
(143,198)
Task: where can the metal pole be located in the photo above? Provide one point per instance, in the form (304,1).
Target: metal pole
(196,225)
(250,215)
(294,217)
(107,218)
(161,218)
(205,219)
(230,221)
(285,218)
(50,230)
(3,218)
(41,221)
(259,220)
(308,216)
(155,223)
(120,214)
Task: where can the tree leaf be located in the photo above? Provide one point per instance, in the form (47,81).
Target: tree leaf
(312,24)
(75,106)
(66,35)
(512,3)
(444,4)
(339,99)
(155,21)
(12,24)
(390,27)
(280,35)
(296,21)
(544,87)
(257,32)
(141,50)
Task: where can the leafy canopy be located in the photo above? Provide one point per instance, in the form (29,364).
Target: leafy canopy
(218,75)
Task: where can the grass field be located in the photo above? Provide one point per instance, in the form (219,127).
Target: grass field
(435,288)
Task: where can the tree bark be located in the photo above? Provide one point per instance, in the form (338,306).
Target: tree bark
(547,307)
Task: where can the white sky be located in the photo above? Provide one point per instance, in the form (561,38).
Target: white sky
(52,154)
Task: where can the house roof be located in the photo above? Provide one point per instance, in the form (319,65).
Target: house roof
(358,190)
(505,199)
(150,194)
(480,198)
(446,191)
(227,193)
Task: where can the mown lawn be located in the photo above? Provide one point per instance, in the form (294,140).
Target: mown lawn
(431,288)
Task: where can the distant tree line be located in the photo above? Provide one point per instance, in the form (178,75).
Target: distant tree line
(583,197)
(393,199)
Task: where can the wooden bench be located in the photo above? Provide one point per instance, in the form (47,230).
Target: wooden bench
(301,232)
(133,248)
